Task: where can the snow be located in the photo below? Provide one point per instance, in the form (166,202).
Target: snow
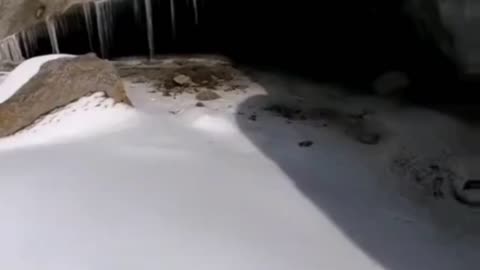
(89,116)
(22,74)
(173,186)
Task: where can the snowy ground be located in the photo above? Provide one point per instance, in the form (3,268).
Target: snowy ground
(174,186)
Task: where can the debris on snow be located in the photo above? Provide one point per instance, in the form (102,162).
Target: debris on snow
(207,95)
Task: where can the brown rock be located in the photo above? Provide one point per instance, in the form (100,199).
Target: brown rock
(182,79)
(58,83)
(369,138)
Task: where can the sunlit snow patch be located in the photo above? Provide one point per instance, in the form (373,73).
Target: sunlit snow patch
(92,115)
(215,124)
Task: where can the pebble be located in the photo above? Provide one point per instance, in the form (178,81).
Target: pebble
(369,138)
(305,143)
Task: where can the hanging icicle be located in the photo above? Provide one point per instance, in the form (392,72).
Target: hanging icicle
(87,14)
(30,41)
(104,16)
(195,10)
(172,16)
(10,49)
(150,32)
(52,34)
(136,10)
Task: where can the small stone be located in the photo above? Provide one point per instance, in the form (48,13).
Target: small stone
(305,143)
(182,80)
(169,84)
(434,167)
(391,82)
(437,188)
(253,117)
(369,138)
(200,104)
(207,95)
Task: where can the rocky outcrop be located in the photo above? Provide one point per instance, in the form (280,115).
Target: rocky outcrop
(17,15)
(58,83)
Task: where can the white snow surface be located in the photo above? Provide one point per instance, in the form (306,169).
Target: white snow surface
(89,116)
(23,73)
(172,186)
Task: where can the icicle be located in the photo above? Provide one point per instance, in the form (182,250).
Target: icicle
(104,16)
(195,9)
(25,43)
(52,34)
(89,23)
(10,49)
(30,42)
(172,15)
(136,10)
(100,26)
(148,12)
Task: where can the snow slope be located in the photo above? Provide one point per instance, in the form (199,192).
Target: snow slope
(207,188)
(89,116)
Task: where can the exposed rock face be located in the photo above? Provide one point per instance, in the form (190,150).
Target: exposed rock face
(58,83)
(16,15)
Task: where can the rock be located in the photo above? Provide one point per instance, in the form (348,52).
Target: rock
(182,80)
(369,138)
(391,82)
(207,95)
(466,180)
(58,83)
(200,104)
(305,144)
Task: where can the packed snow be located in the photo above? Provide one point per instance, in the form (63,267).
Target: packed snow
(89,116)
(169,185)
